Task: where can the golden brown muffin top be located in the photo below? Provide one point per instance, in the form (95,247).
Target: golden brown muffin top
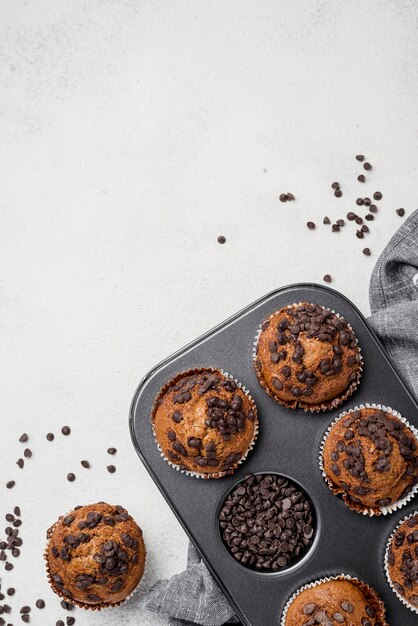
(95,555)
(204,422)
(403,560)
(372,457)
(307,356)
(332,603)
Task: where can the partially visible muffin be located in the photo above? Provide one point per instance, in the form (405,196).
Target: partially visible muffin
(337,601)
(95,555)
(371,457)
(307,357)
(402,560)
(204,422)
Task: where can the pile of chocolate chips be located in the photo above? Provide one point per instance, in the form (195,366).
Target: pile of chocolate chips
(267,522)
(409,568)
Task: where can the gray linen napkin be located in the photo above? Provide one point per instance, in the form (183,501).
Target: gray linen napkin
(192,597)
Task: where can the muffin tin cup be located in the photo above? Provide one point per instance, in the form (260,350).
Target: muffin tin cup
(84,605)
(404,601)
(309,408)
(359,508)
(371,595)
(250,447)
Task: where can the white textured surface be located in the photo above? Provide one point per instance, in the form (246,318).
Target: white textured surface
(133,133)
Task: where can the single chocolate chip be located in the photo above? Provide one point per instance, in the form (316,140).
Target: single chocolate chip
(340,222)
(290,196)
(85,464)
(377,195)
(400,212)
(66,430)
(40,604)
(10,484)
(23,438)
(50,436)
(369,217)
(335,185)
(366,251)
(365,228)
(360,157)
(311,225)
(25,618)
(70,621)
(8,567)
(373,208)
(20,463)
(16,511)
(71,477)
(111,469)
(360,234)
(335,228)
(27,453)
(361,178)
(351,216)
(221,239)
(327,278)
(360,201)
(60,623)
(111,450)
(326,220)
(338,193)
(358,219)
(367,166)
(25,609)
(11,591)
(283,197)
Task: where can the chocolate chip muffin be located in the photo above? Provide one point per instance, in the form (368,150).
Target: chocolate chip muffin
(307,356)
(95,555)
(336,601)
(370,456)
(402,560)
(204,422)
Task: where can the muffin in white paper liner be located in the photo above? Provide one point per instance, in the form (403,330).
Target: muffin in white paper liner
(370,594)
(386,564)
(204,475)
(360,508)
(85,605)
(297,403)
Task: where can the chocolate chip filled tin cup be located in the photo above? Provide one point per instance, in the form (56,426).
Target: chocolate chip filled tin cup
(401,559)
(349,600)
(91,573)
(380,477)
(307,356)
(204,423)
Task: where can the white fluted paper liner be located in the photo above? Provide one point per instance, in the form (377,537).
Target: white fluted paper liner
(359,508)
(250,447)
(83,605)
(386,565)
(309,408)
(369,593)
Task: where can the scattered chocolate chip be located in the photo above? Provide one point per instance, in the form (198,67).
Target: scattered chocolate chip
(111,469)
(8,567)
(25,609)
(358,219)
(40,604)
(66,430)
(25,618)
(23,438)
(377,195)
(400,212)
(71,477)
(311,225)
(60,623)
(50,436)
(27,453)
(351,216)
(221,239)
(335,185)
(365,228)
(290,196)
(373,208)
(10,484)
(366,251)
(367,166)
(338,193)
(369,217)
(335,228)
(360,157)
(327,278)
(113,450)
(340,222)
(283,197)
(326,220)
(360,201)
(70,621)
(85,464)
(20,463)
(361,178)
(11,591)
(359,234)
(67,606)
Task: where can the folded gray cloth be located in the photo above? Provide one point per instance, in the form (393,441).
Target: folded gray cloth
(193,598)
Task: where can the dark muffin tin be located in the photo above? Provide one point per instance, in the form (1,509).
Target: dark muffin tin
(288,444)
